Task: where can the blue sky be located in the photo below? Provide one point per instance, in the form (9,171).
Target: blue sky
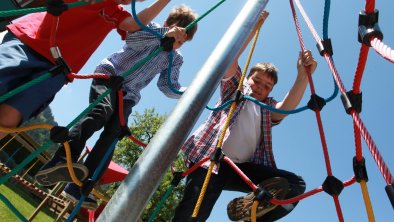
(296,140)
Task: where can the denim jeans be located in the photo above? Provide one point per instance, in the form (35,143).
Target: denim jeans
(104,114)
(228,179)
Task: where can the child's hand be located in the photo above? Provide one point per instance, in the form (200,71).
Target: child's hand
(179,34)
(306,59)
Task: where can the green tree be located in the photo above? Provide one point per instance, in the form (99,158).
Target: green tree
(143,128)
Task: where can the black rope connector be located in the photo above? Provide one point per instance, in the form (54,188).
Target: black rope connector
(325,46)
(263,196)
(177,178)
(56,7)
(390,193)
(61,68)
(352,101)
(217,156)
(238,96)
(87,187)
(316,102)
(360,171)
(115,82)
(59,134)
(124,132)
(332,185)
(167,43)
(368,27)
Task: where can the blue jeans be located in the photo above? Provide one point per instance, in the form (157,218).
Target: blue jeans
(104,114)
(228,179)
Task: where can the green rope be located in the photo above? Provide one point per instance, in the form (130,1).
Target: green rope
(161,203)
(24,86)
(25,162)
(203,15)
(25,11)
(12,208)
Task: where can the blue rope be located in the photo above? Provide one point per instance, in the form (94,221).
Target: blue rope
(135,16)
(94,179)
(325,19)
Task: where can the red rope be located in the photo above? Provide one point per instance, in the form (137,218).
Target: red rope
(362,60)
(382,49)
(240,173)
(72,76)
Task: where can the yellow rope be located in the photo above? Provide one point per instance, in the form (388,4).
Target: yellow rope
(203,189)
(254,209)
(367,201)
(232,108)
(99,195)
(69,165)
(25,128)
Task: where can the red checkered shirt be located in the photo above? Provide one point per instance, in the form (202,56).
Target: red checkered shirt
(204,140)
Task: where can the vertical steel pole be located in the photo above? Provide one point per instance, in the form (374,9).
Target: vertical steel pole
(135,191)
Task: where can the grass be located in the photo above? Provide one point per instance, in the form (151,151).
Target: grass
(23,202)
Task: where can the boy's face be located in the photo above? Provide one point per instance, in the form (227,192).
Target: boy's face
(261,84)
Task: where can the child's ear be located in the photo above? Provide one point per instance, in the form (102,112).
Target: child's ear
(165,24)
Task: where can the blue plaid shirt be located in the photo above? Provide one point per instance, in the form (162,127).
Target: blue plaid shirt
(204,141)
(140,45)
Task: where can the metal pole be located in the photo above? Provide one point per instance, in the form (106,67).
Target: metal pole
(133,194)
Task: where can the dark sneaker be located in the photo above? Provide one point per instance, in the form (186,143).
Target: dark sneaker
(56,171)
(73,193)
(240,209)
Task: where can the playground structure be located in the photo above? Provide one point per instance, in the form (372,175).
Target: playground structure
(184,118)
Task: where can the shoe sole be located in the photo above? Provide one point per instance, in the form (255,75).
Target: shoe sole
(85,204)
(60,173)
(277,186)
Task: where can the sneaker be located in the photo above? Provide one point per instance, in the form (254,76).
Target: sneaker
(73,193)
(240,208)
(56,171)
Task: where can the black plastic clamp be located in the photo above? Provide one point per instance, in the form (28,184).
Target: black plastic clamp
(177,178)
(390,193)
(58,134)
(352,101)
(316,102)
(56,7)
(325,46)
(332,185)
(167,43)
(124,132)
(217,155)
(263,196)
(87,187)
(238,96)
(360,171)
(368,27)
(115,82)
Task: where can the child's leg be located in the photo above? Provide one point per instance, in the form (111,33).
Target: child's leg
(194,184)
(9,117)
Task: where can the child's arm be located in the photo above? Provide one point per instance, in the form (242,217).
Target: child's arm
(145,16)
(294,96)
(234,65)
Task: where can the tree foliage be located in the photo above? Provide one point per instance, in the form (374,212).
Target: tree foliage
(144,127)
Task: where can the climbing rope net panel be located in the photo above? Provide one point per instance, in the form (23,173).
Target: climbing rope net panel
(370,36)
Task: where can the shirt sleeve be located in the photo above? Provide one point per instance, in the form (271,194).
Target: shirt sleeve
(166,85)
(118,17)
(229,85)
(139,40)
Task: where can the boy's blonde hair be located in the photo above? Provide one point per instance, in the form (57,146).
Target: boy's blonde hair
(267,68)
(182,16)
